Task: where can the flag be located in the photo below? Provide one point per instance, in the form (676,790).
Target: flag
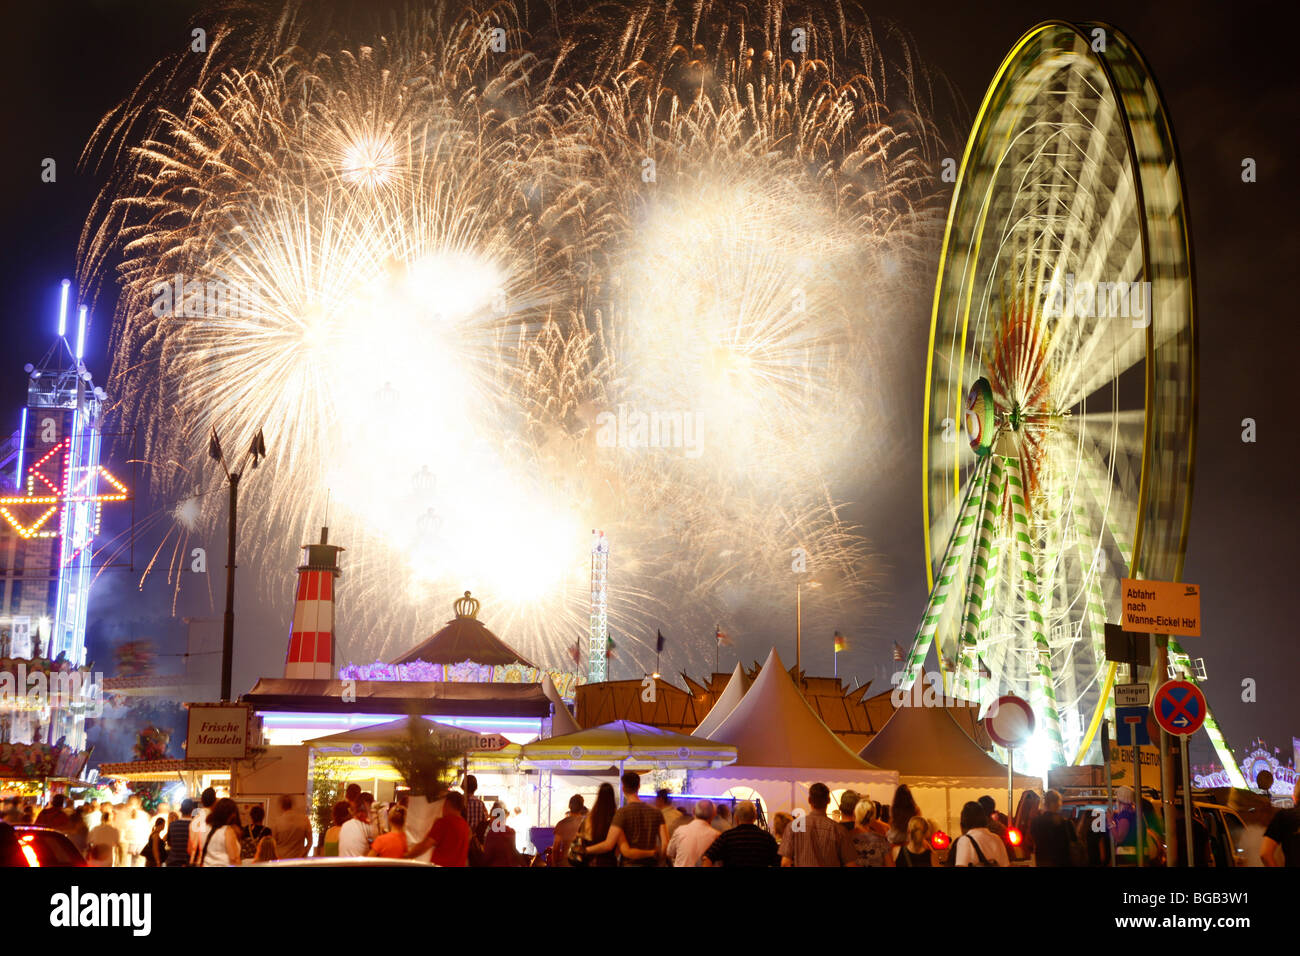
(609,648)
(214,446)
(841,642)
(722,637)
(576,653)
(258,448)
(659,642)
(898,652)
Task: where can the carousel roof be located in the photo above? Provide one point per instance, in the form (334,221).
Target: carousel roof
(464,638)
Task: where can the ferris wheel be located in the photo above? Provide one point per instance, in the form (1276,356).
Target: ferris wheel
(1060,417)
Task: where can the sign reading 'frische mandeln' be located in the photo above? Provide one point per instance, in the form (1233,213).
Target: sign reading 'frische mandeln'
(1161,607)
(217,731)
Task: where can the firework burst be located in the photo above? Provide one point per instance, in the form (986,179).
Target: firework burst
(445,268)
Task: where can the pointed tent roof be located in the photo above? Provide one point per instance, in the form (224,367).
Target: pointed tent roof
(926,742)
(464,638)
(773,726)
(731,695)
(376,736)
(562,721)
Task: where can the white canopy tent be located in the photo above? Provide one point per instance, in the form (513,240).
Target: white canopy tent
(784,748)
(731,695)
(942,766)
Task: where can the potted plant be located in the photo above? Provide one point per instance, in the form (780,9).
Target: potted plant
(428,764)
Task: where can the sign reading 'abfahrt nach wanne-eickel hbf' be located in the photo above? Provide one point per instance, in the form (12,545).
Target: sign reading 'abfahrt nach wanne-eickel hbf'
(1161,607)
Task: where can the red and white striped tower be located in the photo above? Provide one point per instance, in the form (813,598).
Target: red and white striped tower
(311,635)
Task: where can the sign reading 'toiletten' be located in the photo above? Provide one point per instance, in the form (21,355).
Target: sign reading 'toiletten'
(1161,607)
(217,731)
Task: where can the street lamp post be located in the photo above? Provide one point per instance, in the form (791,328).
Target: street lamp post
(256,452)
(798,625)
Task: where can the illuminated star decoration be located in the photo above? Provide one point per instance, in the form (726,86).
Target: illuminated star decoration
(58,495)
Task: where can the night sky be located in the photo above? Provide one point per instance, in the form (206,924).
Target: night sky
(1230,90)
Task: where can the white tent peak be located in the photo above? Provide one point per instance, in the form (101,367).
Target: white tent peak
(731,695)
(773,726)
(562,722)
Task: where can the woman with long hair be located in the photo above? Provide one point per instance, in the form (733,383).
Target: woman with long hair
(342,813)
(596,827)
(221,844)
(901,812)
(917,851)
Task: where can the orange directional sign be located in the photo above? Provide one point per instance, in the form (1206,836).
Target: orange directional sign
(1161,607)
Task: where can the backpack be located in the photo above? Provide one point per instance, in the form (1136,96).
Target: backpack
(979,853)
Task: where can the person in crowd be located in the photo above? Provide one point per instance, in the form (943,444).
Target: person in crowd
(136,827)
(722,821)
(814,839)
(449,836)
(79,829)
(255,834)
(352,794)
(674,816)
(1052,834)
(745,845)
(476,814)
(566,829)
(847,818)
(367,802)
(877,823)
(392,845)
(163,813)
(155,851)
(178,835)
(221,842)
(637,830)
(257,828)
(978,845)
(199,823)
(595,829)
(872,848)
(780,822)
(901,812)
(916,851)
(500,844)
(1028,810)
(1123,824)
(997,823)
(354,834)
(688,843)
(291,831)
(104,841)
(54,816)
(12,814)
(341,814)
(1283,833)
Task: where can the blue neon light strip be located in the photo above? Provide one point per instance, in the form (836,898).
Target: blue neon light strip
(22,443)
(81,332)
(63,308)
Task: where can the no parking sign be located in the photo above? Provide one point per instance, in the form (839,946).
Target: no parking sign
(1179,707)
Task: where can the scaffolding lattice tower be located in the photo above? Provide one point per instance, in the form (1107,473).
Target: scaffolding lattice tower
(598,638)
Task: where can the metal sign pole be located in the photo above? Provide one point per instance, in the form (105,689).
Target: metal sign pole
(1187,799)
(1110,787)
(1139,821)
(1011,757)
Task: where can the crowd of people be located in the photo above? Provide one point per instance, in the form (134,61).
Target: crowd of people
(206,833)
(857,832)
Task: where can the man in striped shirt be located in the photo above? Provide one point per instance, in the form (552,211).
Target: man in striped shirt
(814,839)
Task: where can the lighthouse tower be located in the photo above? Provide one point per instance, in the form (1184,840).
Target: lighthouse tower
(311,635)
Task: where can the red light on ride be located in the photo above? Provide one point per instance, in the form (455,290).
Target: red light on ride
(940,840)
(1014,836)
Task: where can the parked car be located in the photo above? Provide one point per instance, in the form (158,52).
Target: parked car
(42,846)
(1223,825)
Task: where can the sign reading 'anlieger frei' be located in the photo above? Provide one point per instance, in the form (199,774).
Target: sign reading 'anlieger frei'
(1161,607)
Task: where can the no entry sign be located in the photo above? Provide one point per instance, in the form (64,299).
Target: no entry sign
(1179,707)
(1010,721)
